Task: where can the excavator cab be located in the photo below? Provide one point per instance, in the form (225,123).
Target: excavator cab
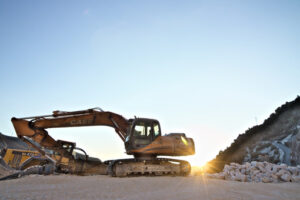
(141,133)
(144,140)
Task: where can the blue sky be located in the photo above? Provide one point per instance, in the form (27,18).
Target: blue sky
(210,69)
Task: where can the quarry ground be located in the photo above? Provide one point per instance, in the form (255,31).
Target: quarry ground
(104,187)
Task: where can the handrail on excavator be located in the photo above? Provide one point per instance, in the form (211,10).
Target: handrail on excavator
(58,113)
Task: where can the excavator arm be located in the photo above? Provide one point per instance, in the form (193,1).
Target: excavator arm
(35,127)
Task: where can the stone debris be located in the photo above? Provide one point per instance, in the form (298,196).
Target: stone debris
(259,172)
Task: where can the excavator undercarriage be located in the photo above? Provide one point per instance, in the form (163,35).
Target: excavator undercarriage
(157,167)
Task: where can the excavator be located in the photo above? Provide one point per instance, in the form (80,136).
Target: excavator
(142,138)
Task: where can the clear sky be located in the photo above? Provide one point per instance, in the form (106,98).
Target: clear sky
(210,69)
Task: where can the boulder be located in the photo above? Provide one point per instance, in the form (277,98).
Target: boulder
(286,177)
(281,172)
(293,170)
(266,180)
(295,179)
(283,166)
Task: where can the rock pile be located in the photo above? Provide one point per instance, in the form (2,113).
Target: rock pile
(259,172)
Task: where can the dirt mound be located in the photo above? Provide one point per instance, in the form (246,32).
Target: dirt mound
(277,140)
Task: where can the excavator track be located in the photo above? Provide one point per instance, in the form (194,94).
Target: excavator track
(155,167)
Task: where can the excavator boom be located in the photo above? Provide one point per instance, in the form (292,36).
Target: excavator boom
(34,127)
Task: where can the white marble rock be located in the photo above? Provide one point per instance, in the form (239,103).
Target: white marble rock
(259,172)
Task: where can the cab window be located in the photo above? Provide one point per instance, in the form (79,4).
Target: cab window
(156,130)
(139,130)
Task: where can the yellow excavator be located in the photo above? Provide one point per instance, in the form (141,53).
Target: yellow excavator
(142,138)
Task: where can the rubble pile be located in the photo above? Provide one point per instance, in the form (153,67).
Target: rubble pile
(259,172)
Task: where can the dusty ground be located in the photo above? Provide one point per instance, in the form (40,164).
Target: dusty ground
(103,187)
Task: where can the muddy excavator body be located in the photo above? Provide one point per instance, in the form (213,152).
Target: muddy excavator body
(141,136)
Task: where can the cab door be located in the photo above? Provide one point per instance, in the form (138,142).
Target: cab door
(142,134)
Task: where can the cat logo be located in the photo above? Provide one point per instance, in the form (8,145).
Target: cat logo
(81,122)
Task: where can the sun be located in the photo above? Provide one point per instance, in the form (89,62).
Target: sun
(197,161)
